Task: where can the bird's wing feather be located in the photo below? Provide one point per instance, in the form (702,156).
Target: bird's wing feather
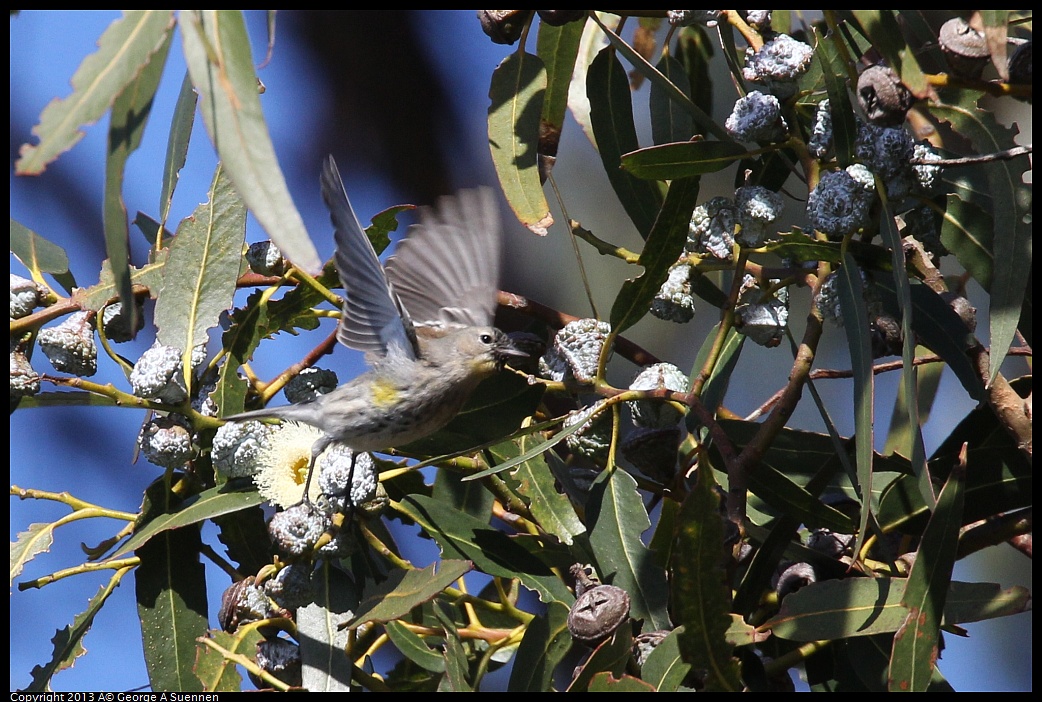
(374,318)
(446,269)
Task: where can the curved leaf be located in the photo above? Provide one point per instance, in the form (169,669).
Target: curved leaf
(882,28)
(545,644)
(611,116)
(701,597)
(552,509)
(664,667)
(517,89)
(492,552)
(836,609)
(170,587)
(682,160)
(206,505)
(665,84)
(217,50)
(405,589)
(616,518)
(67,642)
(558,47)
(665,242)
(40,255)
(177,144)
(917,642)
(123,51)
(130,113)
(938,327)
(36,539)
(852,299)
(670,123)
(1011,208)
(325,666)
(201,270)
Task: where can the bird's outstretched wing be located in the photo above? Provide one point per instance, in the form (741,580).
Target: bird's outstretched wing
(446,269)
(374,318)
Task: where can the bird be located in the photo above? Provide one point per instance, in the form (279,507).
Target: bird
(424,322)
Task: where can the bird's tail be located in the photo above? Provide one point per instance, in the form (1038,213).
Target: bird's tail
(286,413)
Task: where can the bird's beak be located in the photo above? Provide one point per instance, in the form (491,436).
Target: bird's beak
(505,351)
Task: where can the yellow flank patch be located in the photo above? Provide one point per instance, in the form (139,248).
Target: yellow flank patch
(382,393)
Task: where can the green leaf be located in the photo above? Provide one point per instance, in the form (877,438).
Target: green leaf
(66,399)
(124,49)
(40,256)
(217,673)
(801,247)
(715,387)
(217,50)
(828,54)
(665,242)
(201,269)
(700,594)
(836,609)
(245,537)
(412,647)
(325,666)
(457,666)
(540,448)
(616,518)
(656,78)
(917,641)
(664,668)
(206,505)
(998,476)
(776,489)
(1011,208)
(36,539)
(545,644)
(800,455)
(516,92)
(153,231)
(694,50)
(852,300)
(405,589)
(938,327)
(610,656)
(558,47)
(914,450)
(493,552)
(669,122)
(177,144)
(97,296)
(130,113)
(611,116)
(553,511)
(590,45)
(67,642)
(466,496)
(682,159)
(170,587)
(928,381)
(384,222)
(968,233)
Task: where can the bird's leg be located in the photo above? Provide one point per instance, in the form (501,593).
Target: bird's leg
(349,512)
(317,448)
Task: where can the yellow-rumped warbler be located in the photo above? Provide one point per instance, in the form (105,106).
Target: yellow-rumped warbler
(424,322)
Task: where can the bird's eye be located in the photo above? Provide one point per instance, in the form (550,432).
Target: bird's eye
(486,338)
